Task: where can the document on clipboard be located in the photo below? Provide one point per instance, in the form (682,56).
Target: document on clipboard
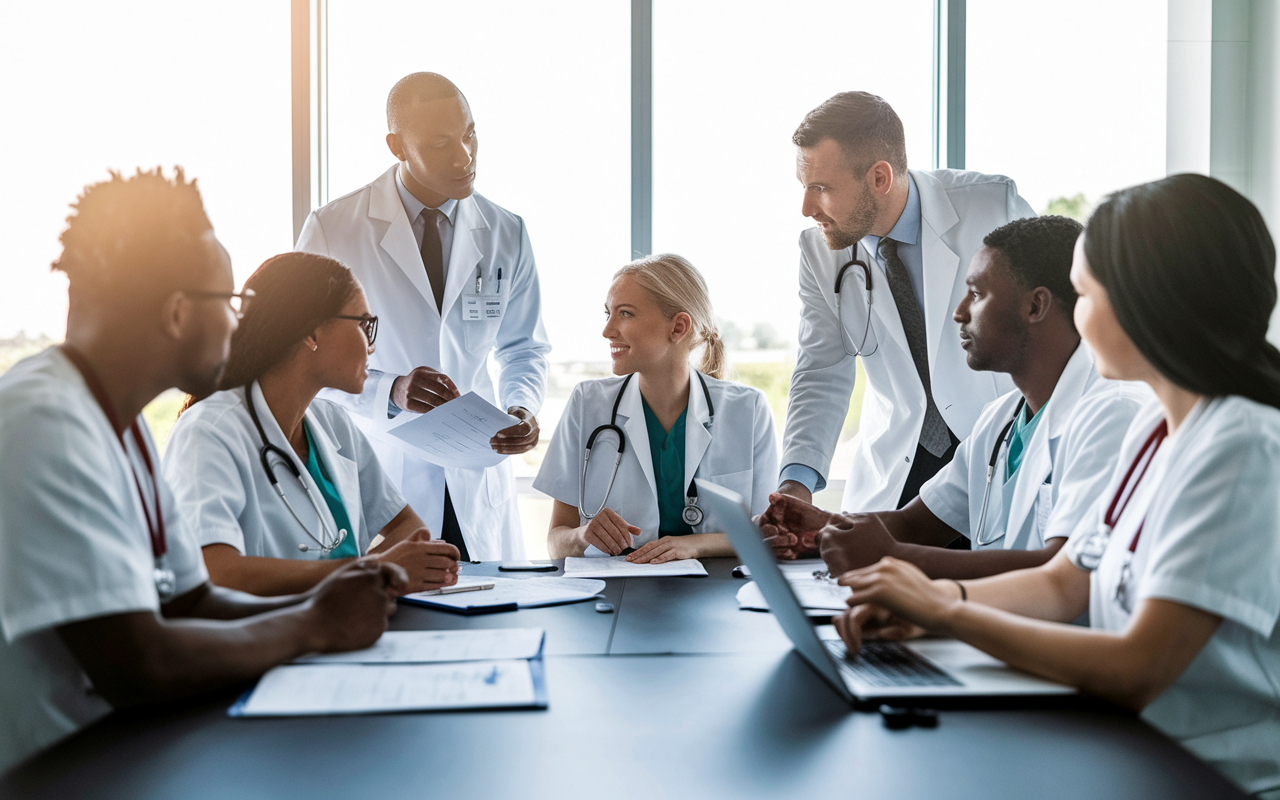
(510,594)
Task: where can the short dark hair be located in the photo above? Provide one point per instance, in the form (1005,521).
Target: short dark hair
(1039,251)
(864,125)
(133,233)
(1190,269)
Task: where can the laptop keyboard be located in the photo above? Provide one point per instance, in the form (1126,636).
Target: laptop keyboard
(888,665)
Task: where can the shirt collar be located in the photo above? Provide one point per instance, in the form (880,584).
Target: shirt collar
(907,229)
(413,206)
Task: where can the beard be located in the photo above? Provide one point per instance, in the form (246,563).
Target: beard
(849,231)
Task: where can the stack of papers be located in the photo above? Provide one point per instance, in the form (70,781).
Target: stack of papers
(620,567)
(509,594)
(815,590)
(408,671)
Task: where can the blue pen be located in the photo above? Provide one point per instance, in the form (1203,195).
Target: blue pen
(499,285)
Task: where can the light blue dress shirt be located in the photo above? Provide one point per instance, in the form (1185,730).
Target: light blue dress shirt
(906,232)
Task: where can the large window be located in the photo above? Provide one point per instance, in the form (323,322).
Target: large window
(1068,99)
(89,87)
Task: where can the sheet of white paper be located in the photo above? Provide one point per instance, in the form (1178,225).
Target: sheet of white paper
(421,647)
(813,595)
(306,689)
(455,434)
(526,592)
(620,567)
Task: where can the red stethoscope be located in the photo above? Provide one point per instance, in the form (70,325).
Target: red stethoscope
(165,579)
(1090,553)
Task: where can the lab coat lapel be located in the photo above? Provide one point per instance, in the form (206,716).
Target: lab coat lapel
(344,472)
(466,253)
(1037,464)
(638,434)
(937,216)
(398,240)
(275,435)
(697,430)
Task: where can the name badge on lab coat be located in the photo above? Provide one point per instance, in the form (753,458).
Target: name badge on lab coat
(476,308)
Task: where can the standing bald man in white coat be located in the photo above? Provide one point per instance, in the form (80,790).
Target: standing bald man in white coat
(906,238)
(451,277)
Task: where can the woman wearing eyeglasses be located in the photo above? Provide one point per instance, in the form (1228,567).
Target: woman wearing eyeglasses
(1178,564)
(279,486)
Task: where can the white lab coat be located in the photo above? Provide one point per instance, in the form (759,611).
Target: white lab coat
(73,545)
(957,209)
(1067,463)
(738,451)
(224,494)
(369,232)
(1210,540)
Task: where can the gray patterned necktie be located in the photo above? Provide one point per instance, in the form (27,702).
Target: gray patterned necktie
(935,436)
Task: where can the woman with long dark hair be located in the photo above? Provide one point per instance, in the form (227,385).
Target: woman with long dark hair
(1178,564)
(279,486)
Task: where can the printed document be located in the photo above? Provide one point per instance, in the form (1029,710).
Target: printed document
(620,567)
(455,434)
(421,647)
(813,585)
(312,689)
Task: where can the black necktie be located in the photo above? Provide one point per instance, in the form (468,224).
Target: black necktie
(433,254)
(935,436)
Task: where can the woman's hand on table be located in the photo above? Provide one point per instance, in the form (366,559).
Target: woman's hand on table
(674,548)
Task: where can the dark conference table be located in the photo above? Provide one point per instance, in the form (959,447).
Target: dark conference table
(678,694)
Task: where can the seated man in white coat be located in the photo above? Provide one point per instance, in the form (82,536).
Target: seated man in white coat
(1038,456)
(452,279)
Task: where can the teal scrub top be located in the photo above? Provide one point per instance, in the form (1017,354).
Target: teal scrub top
(1023,429)
(667,449)
(332,499)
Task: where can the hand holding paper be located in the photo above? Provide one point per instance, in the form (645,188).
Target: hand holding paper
(455,434)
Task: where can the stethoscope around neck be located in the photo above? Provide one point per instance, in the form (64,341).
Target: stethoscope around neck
(328,541)
(1001,440)
(692,513)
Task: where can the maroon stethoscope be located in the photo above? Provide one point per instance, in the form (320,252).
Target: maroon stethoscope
(165,579)
(1090,554)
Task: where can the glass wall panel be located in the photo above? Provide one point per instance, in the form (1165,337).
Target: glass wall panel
(549,87)
(731,83)
(95,86)
(1068,99)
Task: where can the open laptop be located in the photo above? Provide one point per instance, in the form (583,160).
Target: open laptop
(882,671)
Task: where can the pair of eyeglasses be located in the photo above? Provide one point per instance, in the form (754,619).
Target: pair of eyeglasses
(239,301)
(368,324)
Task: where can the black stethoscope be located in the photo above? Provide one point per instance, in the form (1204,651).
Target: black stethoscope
(866,330)
(1001,441)
(328,540)
(692,513)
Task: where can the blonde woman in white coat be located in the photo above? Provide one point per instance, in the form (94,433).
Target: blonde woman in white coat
(662,423)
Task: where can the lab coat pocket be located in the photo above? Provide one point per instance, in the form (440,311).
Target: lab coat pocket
(482,316)
(1044,508)
(497,486)
(740,482)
